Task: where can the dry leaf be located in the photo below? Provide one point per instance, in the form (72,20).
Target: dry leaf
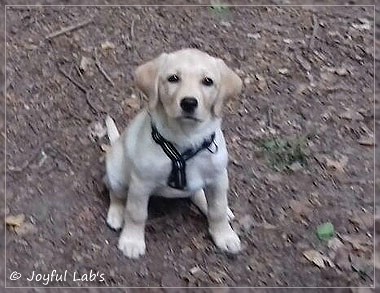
(15,221)
(105,147)
(26,228)
(217,277)
(351,115)
(367,141)
(336,165)
(108,45)
(341,259)
(334,244)
(318,259)
(97,130)
(366,221)
(300,208)
(85,62)
(132,103)
(246,222)
(358,242)
(365,25)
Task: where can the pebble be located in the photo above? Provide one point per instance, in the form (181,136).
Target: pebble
(255,36)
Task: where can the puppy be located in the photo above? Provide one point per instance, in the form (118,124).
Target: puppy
(174,148)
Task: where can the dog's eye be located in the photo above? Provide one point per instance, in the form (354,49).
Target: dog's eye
(173,78)
(207,81)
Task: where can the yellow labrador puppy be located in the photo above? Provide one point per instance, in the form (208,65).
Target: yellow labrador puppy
(175,148)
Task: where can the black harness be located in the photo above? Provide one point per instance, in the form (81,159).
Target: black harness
(177,177)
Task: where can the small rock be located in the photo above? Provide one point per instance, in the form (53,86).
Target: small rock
(247,80)
(296,166)
(225,23)
(194,270)
(262,84)
(255,36)
(288,41)
(283,71)
(341,71)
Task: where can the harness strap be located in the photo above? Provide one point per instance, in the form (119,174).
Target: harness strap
(177,177)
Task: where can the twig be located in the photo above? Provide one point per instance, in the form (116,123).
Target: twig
(315,29)
(102,71)
(133,30)
(28,161)
(88,100)
(269,117)
(68,29)
(81,87)
(79,73)
(62,154)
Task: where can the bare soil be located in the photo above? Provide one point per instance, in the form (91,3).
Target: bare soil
(308,74)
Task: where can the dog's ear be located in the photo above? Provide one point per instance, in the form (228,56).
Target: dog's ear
(146,77)
(230,86)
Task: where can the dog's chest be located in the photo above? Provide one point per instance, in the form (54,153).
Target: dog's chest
(200,170)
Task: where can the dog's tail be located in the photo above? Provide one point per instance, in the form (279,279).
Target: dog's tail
(112,132)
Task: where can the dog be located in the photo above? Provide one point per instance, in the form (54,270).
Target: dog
(173,148)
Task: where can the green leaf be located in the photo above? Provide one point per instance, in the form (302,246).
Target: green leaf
(326,231)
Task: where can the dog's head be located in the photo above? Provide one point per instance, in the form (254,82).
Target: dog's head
(190,85)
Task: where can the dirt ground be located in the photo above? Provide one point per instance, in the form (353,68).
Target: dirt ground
(308,76)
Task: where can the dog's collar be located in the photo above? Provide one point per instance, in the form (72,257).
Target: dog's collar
(177,177)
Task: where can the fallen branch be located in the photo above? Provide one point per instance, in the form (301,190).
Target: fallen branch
(68,29)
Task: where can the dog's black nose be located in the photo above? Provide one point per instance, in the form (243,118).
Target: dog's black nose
(189,104)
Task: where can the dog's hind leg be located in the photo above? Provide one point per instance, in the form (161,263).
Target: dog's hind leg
(115,215)
(199,199)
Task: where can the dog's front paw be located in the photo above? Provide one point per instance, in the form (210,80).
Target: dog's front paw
(227,240)
(115,217)
(132,247)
